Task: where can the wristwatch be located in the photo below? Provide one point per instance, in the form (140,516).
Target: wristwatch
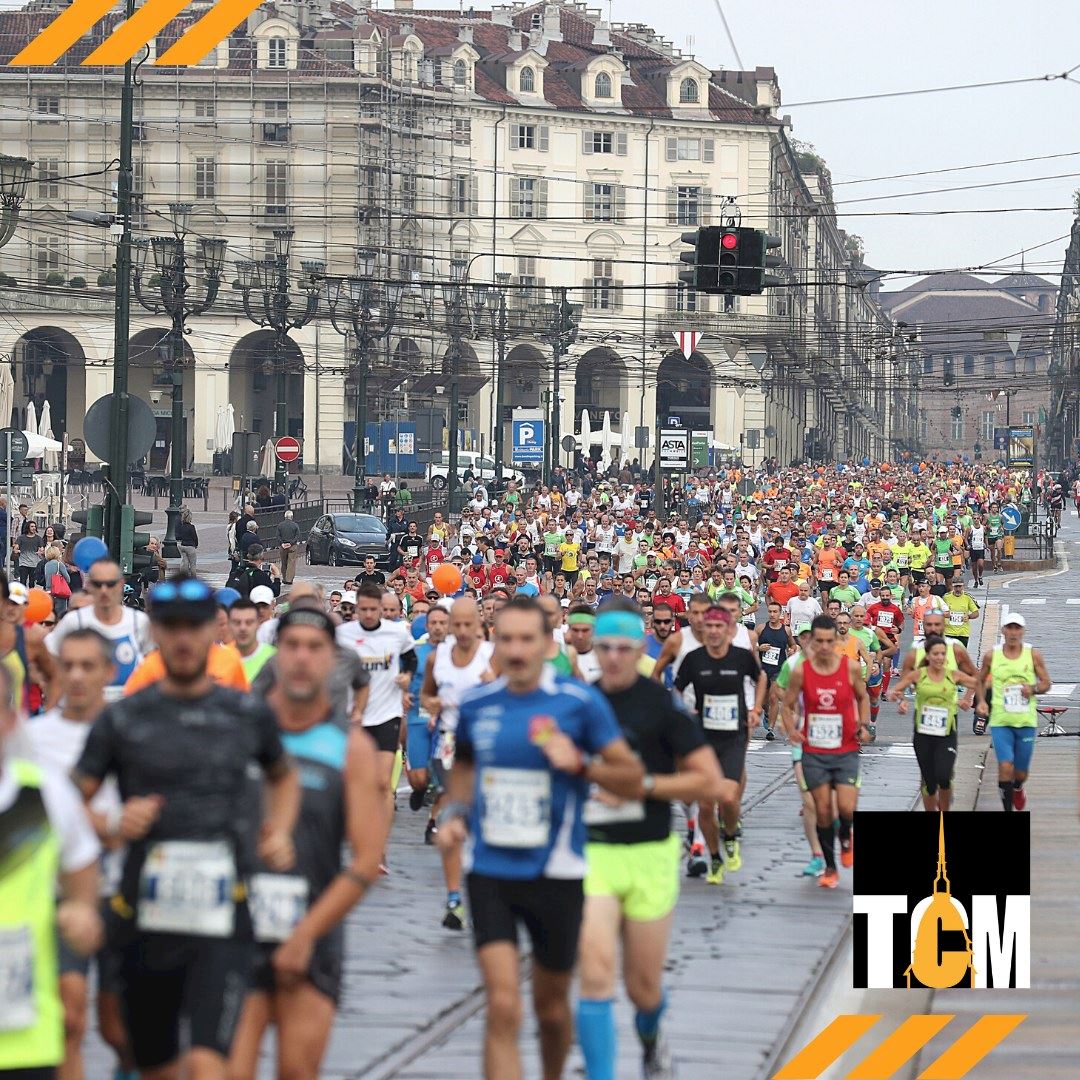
(648,784)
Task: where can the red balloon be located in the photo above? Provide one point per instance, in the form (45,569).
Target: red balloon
(446,578)
(39,606)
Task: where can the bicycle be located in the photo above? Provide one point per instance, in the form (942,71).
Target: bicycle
(297,489)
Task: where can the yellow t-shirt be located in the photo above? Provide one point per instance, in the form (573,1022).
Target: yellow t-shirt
(569,553)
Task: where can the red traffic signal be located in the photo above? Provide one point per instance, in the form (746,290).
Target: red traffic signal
(730,240)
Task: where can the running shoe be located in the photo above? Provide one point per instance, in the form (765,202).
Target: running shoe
(696,866)
(454,919)
(769,734)
(416,799)
(431,830)
(716,871)
(1019,798)
(691,826)
(656,1063)
(872,728)
(815,867)
(847,853)
(732,854)
(830,879)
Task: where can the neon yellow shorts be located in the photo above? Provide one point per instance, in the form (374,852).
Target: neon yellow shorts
(643,877)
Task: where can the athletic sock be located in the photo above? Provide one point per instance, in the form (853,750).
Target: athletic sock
(648,1023)
(827,839)
(845,829)
(874,710)
(1006,789)
(596,1034)
(1017,785)
(453,898)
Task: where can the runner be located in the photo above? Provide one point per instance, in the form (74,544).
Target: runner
(632,882)
(774,645)
(420,724)
(243,624)
(528,745)
(1016,673)
(956,656)
(921,604)
(457,665)
(580,620)
(180,751)
(717,672)
(995,535)
(962,611)
(875,676)
(297,917)
(20,652)
(976,541)
(935,735)
(837,712)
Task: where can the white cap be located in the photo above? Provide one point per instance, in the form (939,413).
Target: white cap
(1014,619)
(261,594)
(346,598)
(18,593)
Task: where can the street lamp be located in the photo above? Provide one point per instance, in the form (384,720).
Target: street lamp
(493,300)
(559,327)
(456,302)
(355,302)
(275,308)
(178,296)
(14,176)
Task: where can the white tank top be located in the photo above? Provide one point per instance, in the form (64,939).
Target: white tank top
(452,681)
(978,537)
(741,640)
(589,665)
(689,644)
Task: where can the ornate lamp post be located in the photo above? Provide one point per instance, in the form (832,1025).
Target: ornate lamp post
(274,307)
(14,176)
(354,304)
(559,328)
(493,301)
(456,304)
(178,296)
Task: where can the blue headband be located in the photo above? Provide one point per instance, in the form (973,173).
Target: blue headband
(622,624)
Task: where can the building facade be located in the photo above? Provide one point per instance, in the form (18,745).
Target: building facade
(537,145)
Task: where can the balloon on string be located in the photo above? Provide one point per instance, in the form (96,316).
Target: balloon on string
(39,606)
(446,578)
(89,550)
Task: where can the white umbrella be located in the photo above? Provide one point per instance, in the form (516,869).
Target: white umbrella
(7,394)
(605,438)
(219,430)
(45,431)
(230,426)
(585,439)
(39,445)
(626,437)
(268,459)
(31,418)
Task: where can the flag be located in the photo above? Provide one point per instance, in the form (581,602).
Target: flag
(688,341)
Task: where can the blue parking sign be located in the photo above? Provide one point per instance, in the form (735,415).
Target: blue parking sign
(528,442)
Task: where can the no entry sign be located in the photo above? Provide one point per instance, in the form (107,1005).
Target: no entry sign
(287,448)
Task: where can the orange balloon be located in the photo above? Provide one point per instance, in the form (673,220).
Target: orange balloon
(446,578)
(38,606)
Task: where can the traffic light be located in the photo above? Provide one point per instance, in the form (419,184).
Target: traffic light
(133,553)
(705,259)
(948,372)
(730,260)
(92,520)
(956,412)
(754,246)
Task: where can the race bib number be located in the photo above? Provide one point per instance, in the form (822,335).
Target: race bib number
(720,712)
(277,903)
(779,564)
(933,720)
(957,618)
(18,1009)
(597,811)
(1013,699)
(825,730)
(885,619)
(901,560)
(187,888)
(771,656)
(517,808)
(826,575)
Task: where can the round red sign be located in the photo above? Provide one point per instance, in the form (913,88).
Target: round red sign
(287,448)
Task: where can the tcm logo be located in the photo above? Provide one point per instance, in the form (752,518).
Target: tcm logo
(134,33)
(930,908)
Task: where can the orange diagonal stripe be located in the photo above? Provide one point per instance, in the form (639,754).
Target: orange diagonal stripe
(825,1048)
(901,1046)
(130,36)
(973,1046)
(220,21)
(63,32)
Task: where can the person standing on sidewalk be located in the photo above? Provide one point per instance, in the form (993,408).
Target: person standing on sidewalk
(187,540)
(289,542)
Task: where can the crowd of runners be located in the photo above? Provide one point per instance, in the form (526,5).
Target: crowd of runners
(193,799)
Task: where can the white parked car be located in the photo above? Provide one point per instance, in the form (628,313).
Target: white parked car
(483,468)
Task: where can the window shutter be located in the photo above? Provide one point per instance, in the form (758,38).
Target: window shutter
(515,192)
(708,150)
(702,301)
(616,296)
(541,198)
(619,202)
(451,208)
(672,148)
(474,195)
(590,202)
(705,217)
(620,143)
(672,206)
(542,138)
(672,294)
(586,142)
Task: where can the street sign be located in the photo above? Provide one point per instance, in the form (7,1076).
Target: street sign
(688,341)
(19,443)
(527,443)
(674,448)
(98,425)
(753,438)
(699,448)
(641,438)
(569,443)
(1010,518)
(287,448)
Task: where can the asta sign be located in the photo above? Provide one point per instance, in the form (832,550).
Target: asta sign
(674,448)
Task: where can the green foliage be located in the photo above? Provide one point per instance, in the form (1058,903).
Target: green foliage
(54,278)
(78,283)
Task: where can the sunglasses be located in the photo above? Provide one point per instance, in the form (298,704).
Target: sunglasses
(109,583)
(662,622)
(191,591)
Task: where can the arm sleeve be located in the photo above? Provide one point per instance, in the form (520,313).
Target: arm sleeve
(408,662)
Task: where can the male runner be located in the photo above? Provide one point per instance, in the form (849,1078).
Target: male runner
(456,666)
(1016,673)
(244,624)
(717,673)
(580,620)
(633,878)
(298,917)
(962,611)
(774,645)
(837,714)
(528,746)
(420,724)
(180,751)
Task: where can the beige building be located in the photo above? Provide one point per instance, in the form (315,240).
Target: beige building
(538,144)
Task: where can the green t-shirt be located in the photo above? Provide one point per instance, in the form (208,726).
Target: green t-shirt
(552,540)
(847,596)
(783,676)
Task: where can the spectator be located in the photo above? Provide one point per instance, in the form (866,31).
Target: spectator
(57,579)
(252,573)
(289,543)
(28,548)
(187,539)
(262,496)
(249,537)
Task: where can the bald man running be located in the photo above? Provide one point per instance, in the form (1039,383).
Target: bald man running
(458,664)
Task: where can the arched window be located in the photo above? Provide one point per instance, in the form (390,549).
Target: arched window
(275,52)
(688,92)
(603,85)
(527,80)
(461,73)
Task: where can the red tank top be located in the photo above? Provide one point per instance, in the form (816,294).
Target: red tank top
(831,717)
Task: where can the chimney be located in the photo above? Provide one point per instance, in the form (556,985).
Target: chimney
(553,23)
(465,34)
(601,34)
(403,5)
(501,16)
(515,41)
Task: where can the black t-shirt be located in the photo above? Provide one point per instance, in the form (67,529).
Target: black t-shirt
(195,754)
(376,577)
(412,546)
(659,732)
(719,687)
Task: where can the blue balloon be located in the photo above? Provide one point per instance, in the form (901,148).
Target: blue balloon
(89,550)
(227,596)
(419,627)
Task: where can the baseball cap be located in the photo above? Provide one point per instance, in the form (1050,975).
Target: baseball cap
(18,593)
(1014,619)
(263,594)
(802,628)
(346,598)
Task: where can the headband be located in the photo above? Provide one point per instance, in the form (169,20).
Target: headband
(718,614)
(312,617)
(622,624)
(581,618)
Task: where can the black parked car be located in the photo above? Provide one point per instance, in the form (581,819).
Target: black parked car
(346,539)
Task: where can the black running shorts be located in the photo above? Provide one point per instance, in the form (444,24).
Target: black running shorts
(387,735)
(324,971)
(730,750)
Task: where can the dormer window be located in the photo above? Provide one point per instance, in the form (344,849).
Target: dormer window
(603,85)
(276,56)
(461,73)
(527,80)
(688,92)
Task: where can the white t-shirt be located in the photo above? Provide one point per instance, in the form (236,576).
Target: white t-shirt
(380,652)
(589,665)
(130,638)
(800,611)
